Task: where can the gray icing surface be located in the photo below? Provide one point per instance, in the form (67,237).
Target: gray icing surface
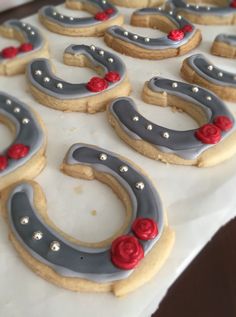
(72,260)
(74,91)
(182,143)
(200,65)
(226,38)
(153,43)
(50,12)
(29,32)
(201,9)
(29,134)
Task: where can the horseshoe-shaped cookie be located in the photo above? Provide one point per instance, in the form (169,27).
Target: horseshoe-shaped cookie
(90,97)
(212,143)
(224,12)
(104,15)
(224,45)
(182,36)
(198,70)
(119,267)
(13,60)
(24,158)
(138,3)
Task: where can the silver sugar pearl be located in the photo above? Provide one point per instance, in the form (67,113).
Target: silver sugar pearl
(71,18)
(23,24)
(25,121)
(159,8)
(54,13)
(24,220)
(187,5)
(55,246)
(126,33)
(101,53)
(32,32)
(208,98)
(135,118)
(149,127)
(165,135)
(28,28)
(210,67)
(179,17)
(220,74)
(195,89)
(8,102)
(208,8)
(147,39)
(124,169)
(140,185)
(38,72)
(135,37)
(16,110)
(59,85)
(103,157)
(197,6)
(104,1)
(61,16)
(170,12)
(174,85)
(46,79)
(93,48)
(110,60)
(37,235)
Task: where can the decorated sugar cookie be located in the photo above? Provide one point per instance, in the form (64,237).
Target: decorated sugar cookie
(92,96)
(138,3)
(198,70)
(223,12)
(104,15)
(13,59)
(128,261)
(213,142)
(224,45)
(25,157)
(181,37)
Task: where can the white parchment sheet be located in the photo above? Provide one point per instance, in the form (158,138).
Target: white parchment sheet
(198,201)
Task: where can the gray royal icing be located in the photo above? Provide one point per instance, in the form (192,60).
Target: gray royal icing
(49,12)
(72,260)
(153,43)
(29,134)
(107,61)
(182,143)
(181,5)
(29,32)
(211,73)
(225,38)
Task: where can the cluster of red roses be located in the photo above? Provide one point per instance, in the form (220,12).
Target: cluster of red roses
(97,84)
(233,4)
(15,152)
(211,133)
(12,51)
(178,34)
(104,15)
(127,251)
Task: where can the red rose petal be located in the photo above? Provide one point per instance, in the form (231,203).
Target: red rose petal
(26,47)
(187,28)
(97,84)
(223,122)
(208,134)
(9,52)
(145,228)
(233,4)
(17,151)
(3,162)
(112,77)
(176,35)
(109,11)
(101,16)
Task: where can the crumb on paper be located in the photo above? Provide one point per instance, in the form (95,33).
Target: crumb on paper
(93,212)
(78,189)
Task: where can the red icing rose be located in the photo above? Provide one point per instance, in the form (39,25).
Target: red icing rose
(223,122)
(97,84)
(233,4)
(112,77)
(187,28)
(176,35)
(26,47)
(109,11)
(209,134)
(3,162)
(101,16)
(9,52)
(145,228)
(126,252)
(17,151)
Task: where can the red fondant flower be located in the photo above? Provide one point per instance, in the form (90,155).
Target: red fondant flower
(126,252)
(26,47)
(223,122)
(187,28)
(109,11)
(97,84)
(112,77)
(233,4)
(3,162)
(176,35)
(209,134)
(101,16)
(145,228)
(9,52)
(17,151)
